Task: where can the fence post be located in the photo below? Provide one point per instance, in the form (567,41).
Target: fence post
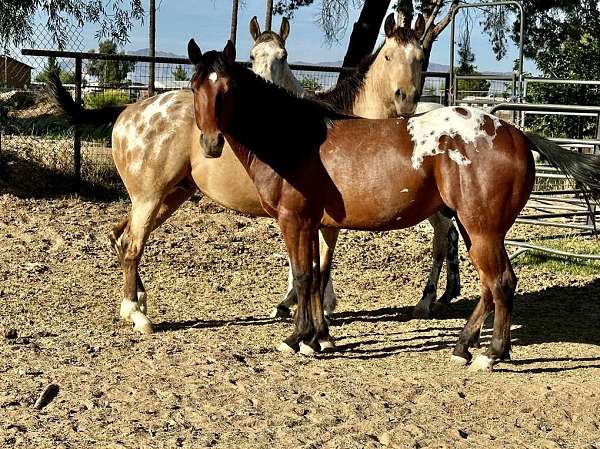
(447,89)
(77,131)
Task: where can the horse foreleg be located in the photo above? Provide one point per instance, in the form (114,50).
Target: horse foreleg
(327,241)
(452,268)
(440,225)
(310,328)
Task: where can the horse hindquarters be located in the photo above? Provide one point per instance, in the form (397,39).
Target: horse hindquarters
(499,181)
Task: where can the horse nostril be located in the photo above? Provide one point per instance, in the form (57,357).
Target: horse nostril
(220,140)
(399,94)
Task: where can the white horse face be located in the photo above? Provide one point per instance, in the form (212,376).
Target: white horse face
(269,59)
(268,55)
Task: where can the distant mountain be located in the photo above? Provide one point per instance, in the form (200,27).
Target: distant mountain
(146,52)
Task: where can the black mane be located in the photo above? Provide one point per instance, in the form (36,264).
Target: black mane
(343,95)
(265,92)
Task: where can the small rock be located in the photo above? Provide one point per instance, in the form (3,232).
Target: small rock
(385,438)
(49,393)
(11,334)
(462,433)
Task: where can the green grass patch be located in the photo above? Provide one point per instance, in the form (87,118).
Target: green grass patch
(571,265)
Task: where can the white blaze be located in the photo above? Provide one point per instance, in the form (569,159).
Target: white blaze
(426,131)
(213,77)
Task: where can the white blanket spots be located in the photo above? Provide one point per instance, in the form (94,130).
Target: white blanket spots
(426,131)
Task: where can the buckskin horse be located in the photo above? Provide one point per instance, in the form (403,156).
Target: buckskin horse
(315,167)
(155,151)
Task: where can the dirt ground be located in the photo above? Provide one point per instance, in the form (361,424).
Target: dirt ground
(210,377)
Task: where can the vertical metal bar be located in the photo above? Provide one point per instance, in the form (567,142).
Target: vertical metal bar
(597,148)
(446,89)
(269,18)
(152,46)
(452,92)
(521,37)
(77,131)
(234,21)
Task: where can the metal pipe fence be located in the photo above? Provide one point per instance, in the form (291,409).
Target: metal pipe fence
(556,201)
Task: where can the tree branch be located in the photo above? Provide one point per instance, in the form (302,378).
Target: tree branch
(433,31)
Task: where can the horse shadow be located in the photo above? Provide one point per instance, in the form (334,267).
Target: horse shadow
(568,314)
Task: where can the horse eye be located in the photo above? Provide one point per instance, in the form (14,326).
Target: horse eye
(387,58)
(251,57)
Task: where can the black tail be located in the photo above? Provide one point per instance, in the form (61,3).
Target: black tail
(76,113)
(583,168)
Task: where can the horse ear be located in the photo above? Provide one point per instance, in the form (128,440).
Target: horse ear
(229,52)
(194,52)
(284,31)
(420,26)
(390,25)
(254,28)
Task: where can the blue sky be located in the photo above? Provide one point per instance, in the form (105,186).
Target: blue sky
(208,21)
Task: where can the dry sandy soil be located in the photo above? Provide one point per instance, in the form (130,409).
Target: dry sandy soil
(210,377)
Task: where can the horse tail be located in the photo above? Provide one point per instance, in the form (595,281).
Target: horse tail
(583,168)
(76,113)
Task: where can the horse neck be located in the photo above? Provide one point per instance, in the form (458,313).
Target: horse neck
(290,82)
(372,101)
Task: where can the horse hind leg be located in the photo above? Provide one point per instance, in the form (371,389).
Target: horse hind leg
(132,242)
(498,284)
(115,240)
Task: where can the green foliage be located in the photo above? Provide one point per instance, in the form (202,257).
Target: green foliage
(577,56)
(310,84)
(110,97)
(109,72)
(53,67)
(179,73)
(114,18)
(50,67)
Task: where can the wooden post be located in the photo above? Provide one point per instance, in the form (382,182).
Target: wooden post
(234,20)
(77,131)
(152,46)
(269,18)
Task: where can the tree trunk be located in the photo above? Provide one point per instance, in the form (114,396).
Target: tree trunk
(365,32)
(234,21)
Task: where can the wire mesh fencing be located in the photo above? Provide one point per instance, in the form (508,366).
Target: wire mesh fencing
(29,127)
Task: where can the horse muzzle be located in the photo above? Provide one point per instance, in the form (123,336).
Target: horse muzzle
(212,145)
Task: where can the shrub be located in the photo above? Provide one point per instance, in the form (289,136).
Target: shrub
(111,97)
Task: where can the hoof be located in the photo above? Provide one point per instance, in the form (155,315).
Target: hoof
(306,350)
(141,323)
(280,312)
(284,348)
(142,299)
(482,363)
(420,312)
(440,308)
(457,360)
(326,345)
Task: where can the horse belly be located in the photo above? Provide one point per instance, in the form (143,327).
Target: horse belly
(380,192)
(225,181)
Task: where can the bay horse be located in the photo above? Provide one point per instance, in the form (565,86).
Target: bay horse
(315,167)
(375,92)
(154,145)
